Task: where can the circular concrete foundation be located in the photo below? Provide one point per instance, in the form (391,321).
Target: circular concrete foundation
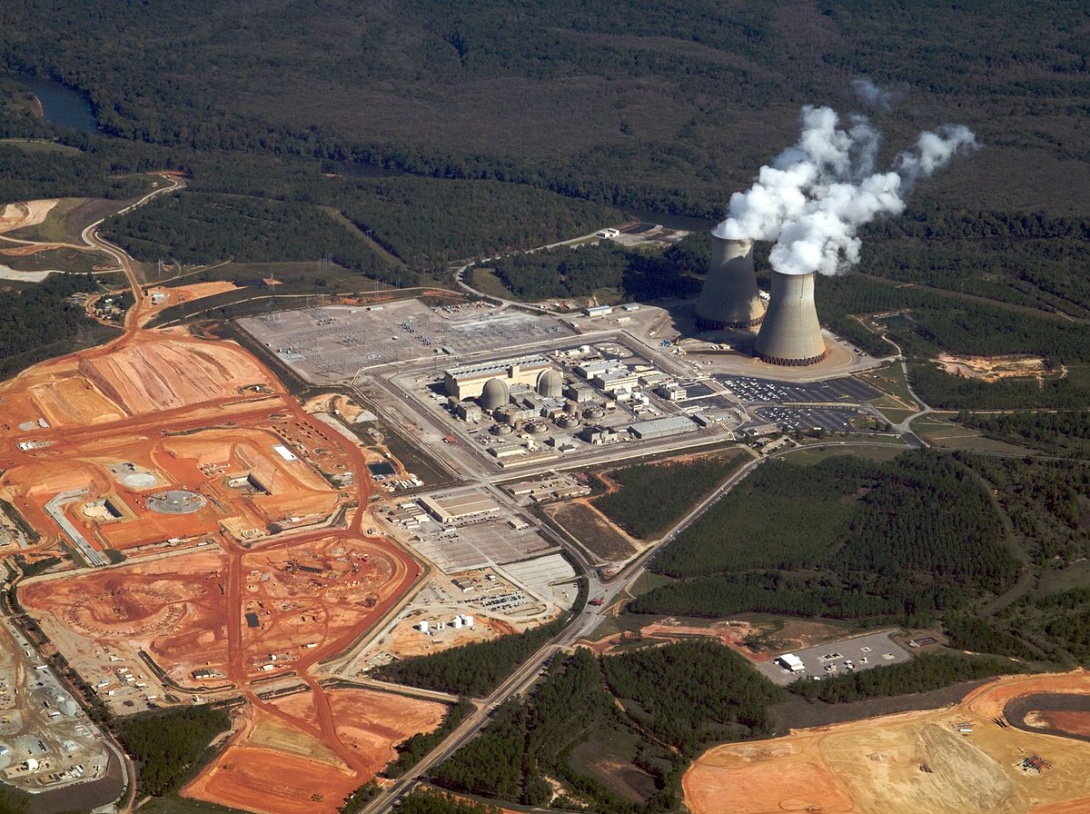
(176,501)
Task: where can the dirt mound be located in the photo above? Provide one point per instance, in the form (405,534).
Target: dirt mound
(29,213)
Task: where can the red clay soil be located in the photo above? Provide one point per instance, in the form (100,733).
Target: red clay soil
(206,417)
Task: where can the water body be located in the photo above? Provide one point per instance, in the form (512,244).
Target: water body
(61,105)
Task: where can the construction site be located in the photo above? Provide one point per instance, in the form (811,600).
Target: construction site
(971,757)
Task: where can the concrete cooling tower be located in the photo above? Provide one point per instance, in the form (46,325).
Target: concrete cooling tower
(790,334)
(729,298)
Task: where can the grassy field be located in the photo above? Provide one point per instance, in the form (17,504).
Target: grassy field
(180,805)
(27,145)
(891,381)
(593,533)
(69,260)
(1057,580)
(948,435)
(808,456)
(486,281)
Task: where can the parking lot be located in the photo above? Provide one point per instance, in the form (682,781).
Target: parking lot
(477,545)
(839,657)
(829,419)
(846,389)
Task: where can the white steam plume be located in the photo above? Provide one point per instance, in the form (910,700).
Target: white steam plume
(873,96)
(817,194)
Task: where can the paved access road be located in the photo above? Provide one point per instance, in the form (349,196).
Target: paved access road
(581,625)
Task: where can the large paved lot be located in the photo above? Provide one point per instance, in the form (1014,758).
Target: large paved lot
(334,342)
(832,658)
(846,389)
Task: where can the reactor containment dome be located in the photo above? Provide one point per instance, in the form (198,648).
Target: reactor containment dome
(494,395)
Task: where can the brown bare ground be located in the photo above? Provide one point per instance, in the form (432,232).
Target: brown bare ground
(181,294)
(373,723)
(268,781)
(23,251)
(278,767)
(28,213)
(904,764)
(995,368)
(1077,723)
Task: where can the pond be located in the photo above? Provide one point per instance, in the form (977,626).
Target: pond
(61,105)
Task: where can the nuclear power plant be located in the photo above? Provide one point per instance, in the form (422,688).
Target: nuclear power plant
(790,333)
(729,298)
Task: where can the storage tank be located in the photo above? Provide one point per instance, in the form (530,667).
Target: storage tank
(790,333)
(550,384)
(729,298)
(494,395)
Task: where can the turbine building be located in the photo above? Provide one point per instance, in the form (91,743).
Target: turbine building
(729,298)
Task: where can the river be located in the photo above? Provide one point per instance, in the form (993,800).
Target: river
(61,105)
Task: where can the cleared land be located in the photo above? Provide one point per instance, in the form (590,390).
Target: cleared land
(247,562)
(913,762)
(281,764)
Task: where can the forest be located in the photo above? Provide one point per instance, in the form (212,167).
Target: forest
(683,696)
(1064,432)
(38,322)
(586,269)
(471,670)
(644,508)
(901,541)
(169,746)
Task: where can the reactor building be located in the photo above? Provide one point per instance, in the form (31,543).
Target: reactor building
(729,298)
(790,333)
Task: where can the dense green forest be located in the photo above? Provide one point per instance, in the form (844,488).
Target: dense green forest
(635,709)
(472,670)
(582,270)
(923,673)
(1057,433)
(991,547)
(169,746)
(430,137)
(38,322)
(206,229)
(425,801)
(852,539)
(644,508)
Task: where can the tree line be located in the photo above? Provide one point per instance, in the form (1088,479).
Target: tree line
(904,540)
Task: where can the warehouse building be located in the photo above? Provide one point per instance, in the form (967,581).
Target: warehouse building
(455,507)
(662,427)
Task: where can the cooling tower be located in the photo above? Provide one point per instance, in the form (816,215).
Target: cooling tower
(790,334)
(494,395)
(729,298)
